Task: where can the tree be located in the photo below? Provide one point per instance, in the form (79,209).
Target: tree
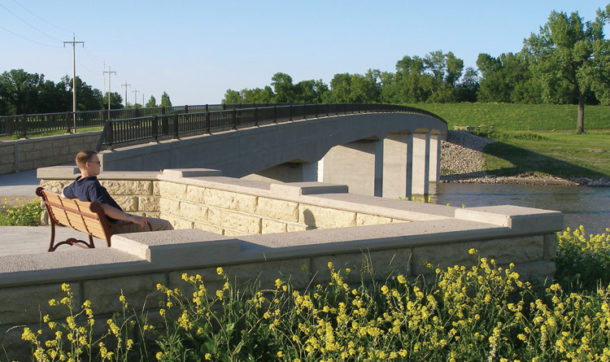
(19,90)
(283,88)
(152,102)
(116,101)
(572,52)
(232,97)
(165,101)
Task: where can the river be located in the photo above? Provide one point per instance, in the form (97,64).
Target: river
(587,206)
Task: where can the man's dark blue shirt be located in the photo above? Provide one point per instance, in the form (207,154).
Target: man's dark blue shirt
(90,189)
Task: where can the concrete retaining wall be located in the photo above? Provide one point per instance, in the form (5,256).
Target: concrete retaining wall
(394,235)
(29,154)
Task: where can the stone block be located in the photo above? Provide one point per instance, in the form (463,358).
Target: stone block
(172,190)
(148,203)
(291,227)
(56,186)
(169,206)
(139,290)
(511,250)
(191,211)
(366,219)
(156,190)
(366,265)
(182,224)
(128,187)
(272,227)
(230,232)
(243,223)
(207,227)
(195,194)
(550,246)
(230,200)
(278,209)
(265,273)
(325,218)
(22,305)
(127,203)
(537,271)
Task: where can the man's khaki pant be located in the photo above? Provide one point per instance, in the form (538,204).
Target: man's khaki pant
(127,227)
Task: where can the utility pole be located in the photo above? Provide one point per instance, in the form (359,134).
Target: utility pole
(74,42)
(142,99)
(135,98)
(110,72)
(126,86)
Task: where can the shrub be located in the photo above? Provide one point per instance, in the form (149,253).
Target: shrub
(27,214)
(481,312)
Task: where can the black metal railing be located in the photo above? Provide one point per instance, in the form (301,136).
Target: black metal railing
(233,117)
(24,125)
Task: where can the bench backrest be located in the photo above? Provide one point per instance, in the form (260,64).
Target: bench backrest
(84,216)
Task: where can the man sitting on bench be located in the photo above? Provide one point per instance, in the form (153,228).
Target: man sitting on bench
(86,187)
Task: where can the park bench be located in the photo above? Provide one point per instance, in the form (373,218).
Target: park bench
(87,217)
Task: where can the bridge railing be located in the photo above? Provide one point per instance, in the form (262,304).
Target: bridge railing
(214,119)
(23,125)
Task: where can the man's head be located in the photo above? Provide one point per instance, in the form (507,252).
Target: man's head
(88,163)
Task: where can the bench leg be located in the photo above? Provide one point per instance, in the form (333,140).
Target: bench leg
(51,247)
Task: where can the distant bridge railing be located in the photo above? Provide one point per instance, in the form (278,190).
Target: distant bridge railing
(177,125)
(24,125)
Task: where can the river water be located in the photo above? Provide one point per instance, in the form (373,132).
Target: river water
(587,206)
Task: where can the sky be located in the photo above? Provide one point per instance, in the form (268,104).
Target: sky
(196,50)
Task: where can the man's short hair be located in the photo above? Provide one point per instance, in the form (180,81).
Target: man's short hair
(83,157)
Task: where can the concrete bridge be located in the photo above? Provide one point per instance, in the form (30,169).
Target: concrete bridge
(385,154)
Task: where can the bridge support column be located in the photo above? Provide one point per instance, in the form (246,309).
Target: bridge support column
(313,171)
(353,164)
(421,163)
(435,157)
(397,164)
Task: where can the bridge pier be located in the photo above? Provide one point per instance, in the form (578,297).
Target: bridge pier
(356,164)
(397,164)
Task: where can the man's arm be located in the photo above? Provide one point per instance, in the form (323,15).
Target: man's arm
(115,213)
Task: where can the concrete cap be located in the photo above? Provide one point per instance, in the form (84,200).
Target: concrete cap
(191,172)
(294,189)
(518,218)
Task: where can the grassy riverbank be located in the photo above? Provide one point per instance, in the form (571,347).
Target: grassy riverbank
(519,116)
(560,154)
(535,139)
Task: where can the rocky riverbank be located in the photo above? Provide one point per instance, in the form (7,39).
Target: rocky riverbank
(462,162)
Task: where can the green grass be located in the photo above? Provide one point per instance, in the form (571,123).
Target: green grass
(548,153)
(518,116)
(53,133)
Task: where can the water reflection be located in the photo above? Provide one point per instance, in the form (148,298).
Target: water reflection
(589,206)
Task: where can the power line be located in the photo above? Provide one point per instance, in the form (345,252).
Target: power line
(109,72)
(28,24)
(126,86)
(43,19)
(74,42)
(26,38)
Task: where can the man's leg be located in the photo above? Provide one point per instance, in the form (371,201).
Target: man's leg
(156,225)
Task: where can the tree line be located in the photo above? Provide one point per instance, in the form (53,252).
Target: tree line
(567,62)
(28,93)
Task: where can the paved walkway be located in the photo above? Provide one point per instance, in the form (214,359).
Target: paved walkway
(17,240)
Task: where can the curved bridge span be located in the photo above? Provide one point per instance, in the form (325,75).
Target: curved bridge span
(382,154)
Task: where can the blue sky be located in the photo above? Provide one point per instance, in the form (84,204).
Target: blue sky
(196,50)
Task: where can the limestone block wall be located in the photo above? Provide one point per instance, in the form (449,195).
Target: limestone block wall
(28,154)
(227,212)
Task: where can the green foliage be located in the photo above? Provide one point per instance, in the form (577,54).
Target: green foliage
(583,262)
(479,312)
(165,101)
(27,214)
